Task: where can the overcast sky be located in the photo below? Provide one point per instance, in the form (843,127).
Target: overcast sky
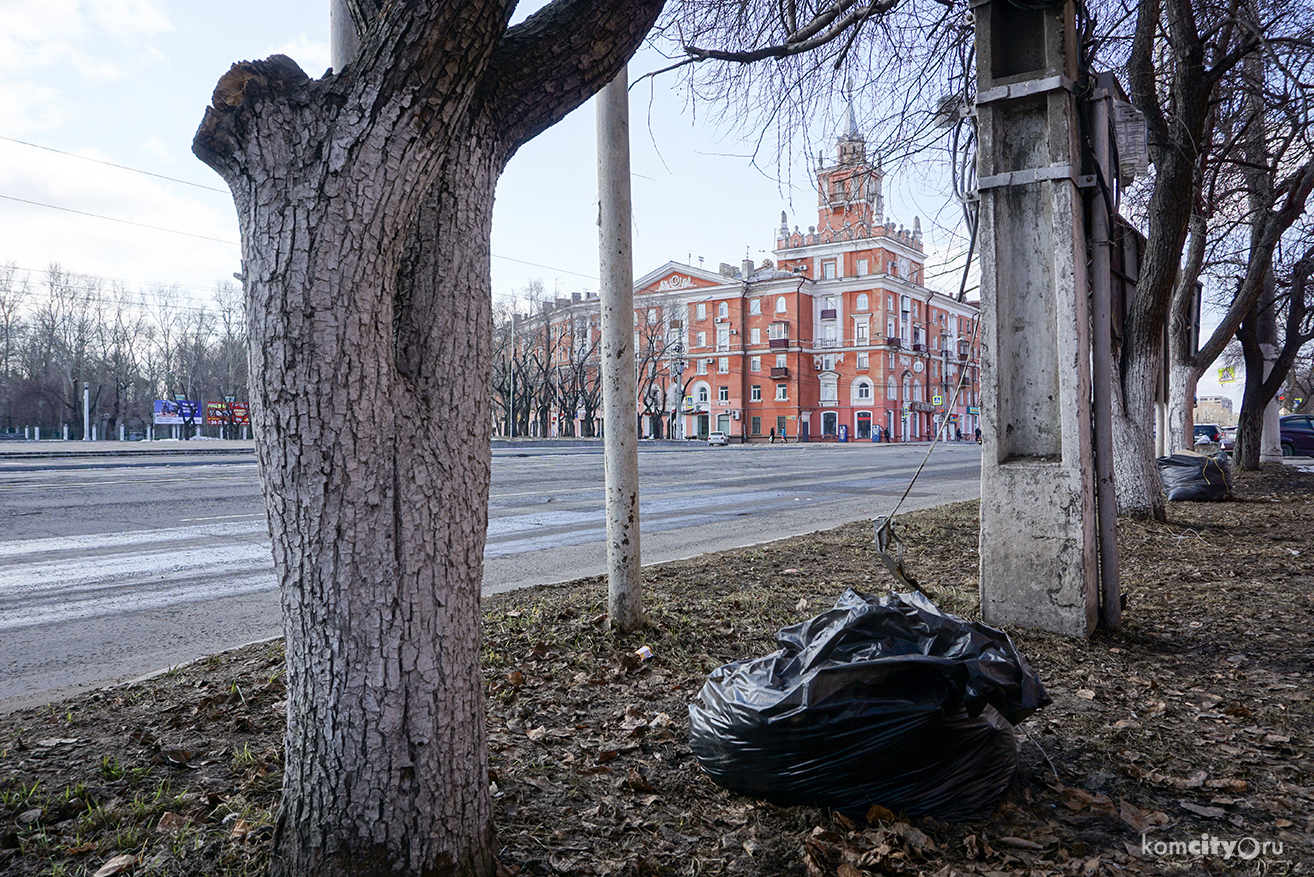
(92,83)
(126,81)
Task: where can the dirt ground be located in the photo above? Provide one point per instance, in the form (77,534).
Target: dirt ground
(1179,746)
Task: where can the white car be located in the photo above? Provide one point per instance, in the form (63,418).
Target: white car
(718,438)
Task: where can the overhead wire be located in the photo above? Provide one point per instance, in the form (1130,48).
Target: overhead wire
(962,162)
(134,170)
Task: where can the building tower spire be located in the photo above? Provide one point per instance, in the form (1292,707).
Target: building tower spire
(851,127)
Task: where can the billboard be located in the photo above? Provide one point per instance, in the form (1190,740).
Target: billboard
(169,412)
(227,414)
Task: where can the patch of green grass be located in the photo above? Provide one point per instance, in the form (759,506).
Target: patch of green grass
(20,796)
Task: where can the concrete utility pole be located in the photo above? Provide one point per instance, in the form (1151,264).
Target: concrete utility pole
(620,386)
(86,411)
(1038,546)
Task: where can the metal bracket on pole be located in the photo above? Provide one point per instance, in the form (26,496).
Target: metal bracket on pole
(1036,175)
(1015,90)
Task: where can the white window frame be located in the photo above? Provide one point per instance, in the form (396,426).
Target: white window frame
(755,306)
(723,365)
(755,335)
(755,393)
(701,309)
(782,392)
(755,364)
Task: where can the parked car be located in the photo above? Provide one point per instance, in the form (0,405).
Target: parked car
(1229,439)
(1207,433)
(718,438)
(1298,435)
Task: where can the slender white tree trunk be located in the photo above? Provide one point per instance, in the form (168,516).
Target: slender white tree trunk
(1182,381)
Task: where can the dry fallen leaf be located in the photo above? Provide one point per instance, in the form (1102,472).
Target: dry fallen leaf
(116,865)
(171,822)
(1133,816)
(878,814)
(1211,812)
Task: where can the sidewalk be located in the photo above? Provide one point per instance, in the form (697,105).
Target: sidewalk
(29,450)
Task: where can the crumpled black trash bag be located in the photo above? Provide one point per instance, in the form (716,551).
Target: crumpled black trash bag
(1196,478)
(878,701)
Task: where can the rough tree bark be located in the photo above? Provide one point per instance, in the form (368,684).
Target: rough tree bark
(1170,81)
(365,202)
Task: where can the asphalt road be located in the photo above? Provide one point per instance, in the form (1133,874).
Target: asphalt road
(115,567)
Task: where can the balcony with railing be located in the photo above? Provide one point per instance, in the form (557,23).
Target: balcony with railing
(828,313)
(780,372)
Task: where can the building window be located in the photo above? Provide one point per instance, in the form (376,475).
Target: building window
(780,304)
(891,388)
(890,304)
(860,332)
(723,309)
(723,365)
(780,360)
(782,392)
(828,303)
(702,339)
(864,390)
(702,367)
(861,303)
(862,268)
(829,389)
(755,393)
(755,306)
(652,315)
(755,363)
(755,335)
(828,362)
(778,331)
(828,270)
(889,328)
(862,362)
(829,423)
(702,311)
(723,394)
(702,394)
(757,426)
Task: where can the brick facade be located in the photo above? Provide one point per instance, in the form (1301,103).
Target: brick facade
(837,339)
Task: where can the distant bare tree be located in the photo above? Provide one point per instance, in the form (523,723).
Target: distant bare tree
(13,298)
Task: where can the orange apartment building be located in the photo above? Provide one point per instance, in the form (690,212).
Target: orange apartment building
(838,339)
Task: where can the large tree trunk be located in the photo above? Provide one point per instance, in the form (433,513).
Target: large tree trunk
(379,489)
(365,204)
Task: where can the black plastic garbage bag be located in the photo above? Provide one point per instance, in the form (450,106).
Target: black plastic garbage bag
(878,701)
(1196,478)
